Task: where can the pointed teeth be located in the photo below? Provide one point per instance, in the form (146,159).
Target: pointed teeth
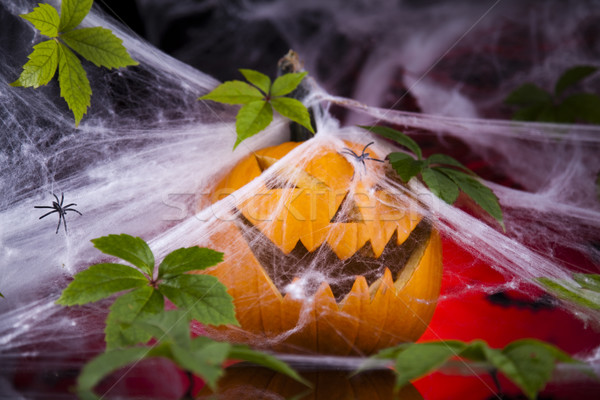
(382,285)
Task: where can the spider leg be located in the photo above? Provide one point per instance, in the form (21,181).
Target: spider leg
(349,152)
(60,216)
(43,207)
(366,147)
(53,211)
(374,159)
(71,209)
(64,221)
(69,205)
(56,197)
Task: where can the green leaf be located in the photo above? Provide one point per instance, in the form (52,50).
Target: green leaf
(100,46)
(72,12)
(1,295)
(45,19)
(405,165)
(203,295)
(391,352)
(480,194)
(528,95)
(572,76)
(244,353)
(562,114)
(251,119)
(557,353)
(527,362)
(205,359)
(479,351)
(588,281)
(587,298)
(260,80)
(128,248)
(528,365)
(583,106)
(532,113)
(188,259)
(419,359)
(442,186)
(442,159)
(287,83)
(234,92)
(112,360)
(475,351)
(374,361)
(397,136)
(100,281)
(257,112)
(74,84)
(41,66)
(137,304)
(99,367)
(294,110)
(530,371)
(172,326)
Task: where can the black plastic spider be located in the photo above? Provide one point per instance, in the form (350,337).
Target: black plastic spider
(57,206)
(363,156)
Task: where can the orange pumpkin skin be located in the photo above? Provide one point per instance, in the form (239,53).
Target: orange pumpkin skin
(361,317)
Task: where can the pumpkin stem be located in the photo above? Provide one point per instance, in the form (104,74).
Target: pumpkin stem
(291,63)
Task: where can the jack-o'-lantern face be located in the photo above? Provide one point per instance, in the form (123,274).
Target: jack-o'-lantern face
(321,259)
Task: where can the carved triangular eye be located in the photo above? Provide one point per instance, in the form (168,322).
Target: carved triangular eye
(348,211)
(291,177)
(264,162)
(277,182)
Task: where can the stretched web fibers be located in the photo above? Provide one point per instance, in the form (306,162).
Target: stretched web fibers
(147,153)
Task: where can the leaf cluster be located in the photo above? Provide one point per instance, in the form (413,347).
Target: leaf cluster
(537,104)
(200,355)
(258,98)
(527,362)
(204,298)
(587,294)
(138,315)
(95,44)
(445,176)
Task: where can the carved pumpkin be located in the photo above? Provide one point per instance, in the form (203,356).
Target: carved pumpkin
(322,260)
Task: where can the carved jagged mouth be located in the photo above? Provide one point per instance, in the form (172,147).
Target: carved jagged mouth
(324,265)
